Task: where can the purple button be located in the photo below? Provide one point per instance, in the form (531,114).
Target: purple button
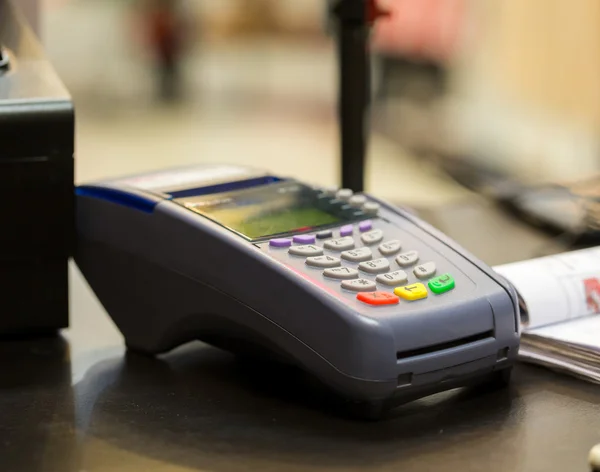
(280,242)
(305,239)
(366,225)
(346,230)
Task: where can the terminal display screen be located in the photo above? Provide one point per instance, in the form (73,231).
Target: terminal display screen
(279,208)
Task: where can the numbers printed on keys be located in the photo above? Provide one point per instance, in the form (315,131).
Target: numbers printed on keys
(323,262)
(393,279)
(407,258)
(390,248)
(341,273)
(340,244)
(358,255)
(306,251)
(376,266)
(372,237)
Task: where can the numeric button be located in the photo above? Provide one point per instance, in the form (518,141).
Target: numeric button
(340,244)
(393,279)
(424,271)
(344,194)
(371,208)
(359,285)
(372,237)
(358,255)
(341,273)
(307,250)
(357,201)
(323,262)
(376,266)
(390,248)
(407,258)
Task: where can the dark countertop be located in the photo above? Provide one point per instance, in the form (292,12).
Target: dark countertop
(79,403)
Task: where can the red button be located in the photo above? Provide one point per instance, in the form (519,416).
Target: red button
(378,298)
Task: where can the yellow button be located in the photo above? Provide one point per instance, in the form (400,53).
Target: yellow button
(411,292)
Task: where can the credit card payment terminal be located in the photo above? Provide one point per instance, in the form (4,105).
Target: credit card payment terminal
(375,303)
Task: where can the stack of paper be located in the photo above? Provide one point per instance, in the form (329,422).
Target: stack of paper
(560,299)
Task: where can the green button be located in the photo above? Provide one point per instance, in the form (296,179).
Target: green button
(442,284)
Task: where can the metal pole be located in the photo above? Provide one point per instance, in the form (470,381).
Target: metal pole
(354,89)
(353,110)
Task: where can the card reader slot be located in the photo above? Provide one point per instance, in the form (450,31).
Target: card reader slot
(435,348)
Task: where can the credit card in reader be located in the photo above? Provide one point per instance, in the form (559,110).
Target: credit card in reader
(378,305)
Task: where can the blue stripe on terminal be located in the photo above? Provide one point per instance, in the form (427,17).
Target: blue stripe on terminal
(120,197)
(225,187)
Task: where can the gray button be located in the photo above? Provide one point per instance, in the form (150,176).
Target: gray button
(392,279)
(330,191)
(407,258)
(390,248)
(323,262)
(341,273)
(376,266)
(344,194)
(371,208)
(358,255)
(340,244)
(372,237)
(357,201)
(306,250)
(359,285)
(425,271)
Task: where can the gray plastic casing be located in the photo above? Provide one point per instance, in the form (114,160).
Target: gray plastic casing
(170,275)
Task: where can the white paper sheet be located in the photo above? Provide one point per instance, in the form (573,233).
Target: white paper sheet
(557,288)
(562,294)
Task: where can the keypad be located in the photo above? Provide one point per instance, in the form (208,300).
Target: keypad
(372,237)
(306,250)
(376,266)
(407,258)
(323,262)
(393,279)
(359,285)
(389,248)
(371,261)
(340,244)
(424,271)
(358,255)
(341,273)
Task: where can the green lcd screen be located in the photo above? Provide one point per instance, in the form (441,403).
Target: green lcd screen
(270,210)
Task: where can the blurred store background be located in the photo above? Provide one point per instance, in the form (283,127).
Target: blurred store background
(503,85)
